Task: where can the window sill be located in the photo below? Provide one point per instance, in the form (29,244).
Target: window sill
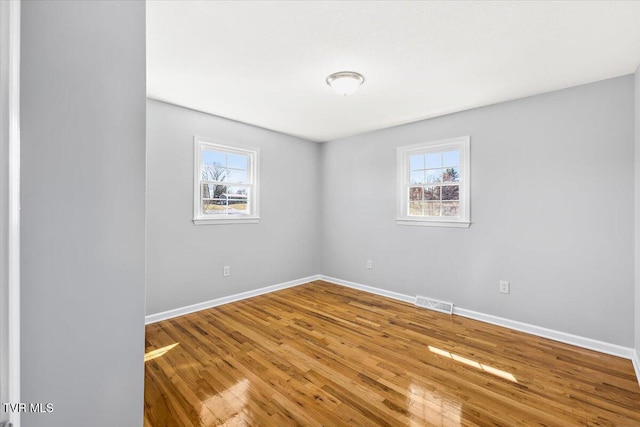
(433,223)
(221,221)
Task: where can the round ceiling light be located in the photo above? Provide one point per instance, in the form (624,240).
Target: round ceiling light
(345,82)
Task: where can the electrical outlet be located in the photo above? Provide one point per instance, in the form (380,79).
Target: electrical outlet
(226,271)
(369,264)
(504,286)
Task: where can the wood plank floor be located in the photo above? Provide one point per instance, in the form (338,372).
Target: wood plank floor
(325,355)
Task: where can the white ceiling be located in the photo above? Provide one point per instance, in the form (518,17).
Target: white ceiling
(265,63)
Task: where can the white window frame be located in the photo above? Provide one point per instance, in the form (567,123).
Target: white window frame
(199,145)
(10,209)
(462,143)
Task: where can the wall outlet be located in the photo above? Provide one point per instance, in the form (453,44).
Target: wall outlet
(226,271)
(369,264)
(504,286)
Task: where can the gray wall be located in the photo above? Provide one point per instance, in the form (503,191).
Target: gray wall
(552,212)
(185,260)
(637,209)
(83,208)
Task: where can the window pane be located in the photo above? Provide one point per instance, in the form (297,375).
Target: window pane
(210,158)
(417,162)
(214,207)
(451,158)
(214,173)
(434,160)
(238,207)
(415,193)
(237,161)
(207,191)
(240,191)
(212,197)
(417,177)
(218,191)
(450,208)
(433,175)
(236,198)
(431,208)
(451,175)
(451,192)
(432,193)
(415,208)
(237,176)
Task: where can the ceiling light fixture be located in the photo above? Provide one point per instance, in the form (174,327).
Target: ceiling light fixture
(345,82)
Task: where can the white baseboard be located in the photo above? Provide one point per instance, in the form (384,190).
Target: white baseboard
(370,289)
(576,340)
(157,317)
(636,364)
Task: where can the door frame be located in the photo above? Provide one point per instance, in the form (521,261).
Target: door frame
(10,209)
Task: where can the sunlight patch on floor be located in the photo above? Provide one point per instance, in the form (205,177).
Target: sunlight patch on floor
(158,352)
(227,405)
(489,369)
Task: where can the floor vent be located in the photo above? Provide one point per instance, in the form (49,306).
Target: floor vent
(434,304)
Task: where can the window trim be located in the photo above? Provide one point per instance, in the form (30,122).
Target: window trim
(200,143)
(463,143)
(10,208)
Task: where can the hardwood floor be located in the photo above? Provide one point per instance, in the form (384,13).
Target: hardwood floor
(325,355)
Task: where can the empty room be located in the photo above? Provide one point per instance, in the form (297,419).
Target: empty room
(320,213)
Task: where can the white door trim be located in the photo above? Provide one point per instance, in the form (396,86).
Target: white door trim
(10,207)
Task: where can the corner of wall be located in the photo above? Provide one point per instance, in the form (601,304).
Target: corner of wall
(320,223)
(635,359)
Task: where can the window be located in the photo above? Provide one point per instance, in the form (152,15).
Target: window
(225,184)
(433,183)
